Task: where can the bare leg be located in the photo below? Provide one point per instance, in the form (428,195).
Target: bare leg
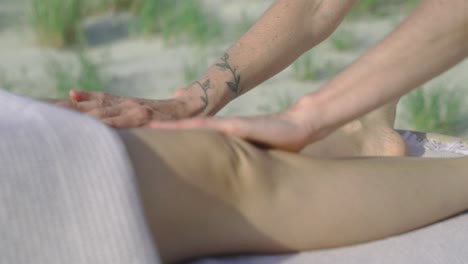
(371,135)
(207,194)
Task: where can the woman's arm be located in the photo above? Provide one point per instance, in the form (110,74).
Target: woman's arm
(280,36)
(430,41)
(283,33)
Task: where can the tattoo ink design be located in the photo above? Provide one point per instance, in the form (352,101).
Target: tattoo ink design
(205,86)
(224,66)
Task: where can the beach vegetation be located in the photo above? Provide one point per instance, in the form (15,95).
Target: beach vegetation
(86,76)
(436,110)
(309,68)
(56,22)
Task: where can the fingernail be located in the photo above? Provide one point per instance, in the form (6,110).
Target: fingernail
(72,95)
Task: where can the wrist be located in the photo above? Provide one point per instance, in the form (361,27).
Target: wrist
(190,102)
(309,111)
(207,95)
(202,98)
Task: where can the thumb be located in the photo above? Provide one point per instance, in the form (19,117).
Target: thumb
(192,123)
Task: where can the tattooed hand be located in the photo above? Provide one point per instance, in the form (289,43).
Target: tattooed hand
(127,112)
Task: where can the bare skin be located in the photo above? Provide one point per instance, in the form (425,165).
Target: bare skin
(262,52)
(371,135)
(242,199)
(411,57)
(281,35)
(418,50)
(256,197)
(127,112)
(430,41)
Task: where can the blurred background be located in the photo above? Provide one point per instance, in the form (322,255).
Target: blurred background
(150,48)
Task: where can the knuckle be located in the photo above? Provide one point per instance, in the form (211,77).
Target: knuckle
(100,95)
(98,112)
(199,121)
(232,125)
(131,103)
(86,107)
(141,113)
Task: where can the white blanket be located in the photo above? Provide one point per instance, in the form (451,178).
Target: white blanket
(67,192)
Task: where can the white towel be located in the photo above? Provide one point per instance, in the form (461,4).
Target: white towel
(67,191)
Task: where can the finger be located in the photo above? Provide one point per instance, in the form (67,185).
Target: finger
(266,132)
(122,121)
(105,112)
(182,124)
(232,126)
(236,127)
(87,106)
(80,96)
(66,104)
(246,128)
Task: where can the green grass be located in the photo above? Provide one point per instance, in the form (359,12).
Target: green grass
(283,101)
(87,77)
(56,21)
(435,110)
(304,68)
(6,82)
(381,8)
(90,77)
(91,7)
(344,40)
(177,20)
(280,102)
(193,70)
(244,24)
(307,69)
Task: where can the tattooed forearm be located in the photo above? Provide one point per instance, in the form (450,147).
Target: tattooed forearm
(205,86)
(224,65)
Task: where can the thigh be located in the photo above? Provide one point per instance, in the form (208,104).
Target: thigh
(201,184)
(241,198)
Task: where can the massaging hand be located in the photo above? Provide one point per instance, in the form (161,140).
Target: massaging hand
(285,130)
(126,112)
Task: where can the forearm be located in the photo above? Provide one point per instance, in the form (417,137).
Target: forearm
(429,42)
(281,35)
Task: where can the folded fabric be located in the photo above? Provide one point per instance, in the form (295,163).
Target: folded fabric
(67,191)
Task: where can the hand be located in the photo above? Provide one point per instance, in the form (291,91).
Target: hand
(127,112)
(283,130)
